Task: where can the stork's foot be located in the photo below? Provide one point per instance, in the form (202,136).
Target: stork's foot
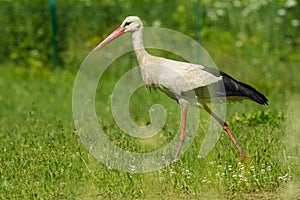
(247,159)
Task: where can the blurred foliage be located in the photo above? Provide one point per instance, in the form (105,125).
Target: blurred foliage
(260,117)
(256,27)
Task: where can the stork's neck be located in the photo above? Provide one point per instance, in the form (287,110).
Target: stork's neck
(138,45)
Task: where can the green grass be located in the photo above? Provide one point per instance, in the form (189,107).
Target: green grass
(43,157)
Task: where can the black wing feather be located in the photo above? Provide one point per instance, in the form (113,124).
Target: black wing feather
(227,87)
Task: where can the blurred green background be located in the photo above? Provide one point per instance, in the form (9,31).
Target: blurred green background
(261,29)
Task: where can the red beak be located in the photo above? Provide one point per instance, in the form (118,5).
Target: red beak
(119,31)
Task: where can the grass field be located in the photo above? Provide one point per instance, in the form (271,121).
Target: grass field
(42,156)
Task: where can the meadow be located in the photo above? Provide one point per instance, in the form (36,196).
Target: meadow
(43,157)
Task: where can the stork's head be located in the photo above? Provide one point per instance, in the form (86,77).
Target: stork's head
(130,24)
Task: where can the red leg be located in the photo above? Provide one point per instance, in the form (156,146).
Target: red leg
(226,128)
(183,132)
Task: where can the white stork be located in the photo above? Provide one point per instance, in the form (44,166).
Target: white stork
(203,82)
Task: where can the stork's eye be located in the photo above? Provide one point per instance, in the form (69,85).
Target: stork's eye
(127,23)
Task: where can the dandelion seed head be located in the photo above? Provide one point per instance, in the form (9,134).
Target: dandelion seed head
(220,12)
(290,3)
(281,12)
(295,22)
(239,43)
(212,16)
(156,23)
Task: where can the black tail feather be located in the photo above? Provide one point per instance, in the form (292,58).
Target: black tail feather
(228,87)
(234,88)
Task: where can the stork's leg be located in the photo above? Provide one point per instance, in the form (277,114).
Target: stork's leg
(226,128)
(183,131)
